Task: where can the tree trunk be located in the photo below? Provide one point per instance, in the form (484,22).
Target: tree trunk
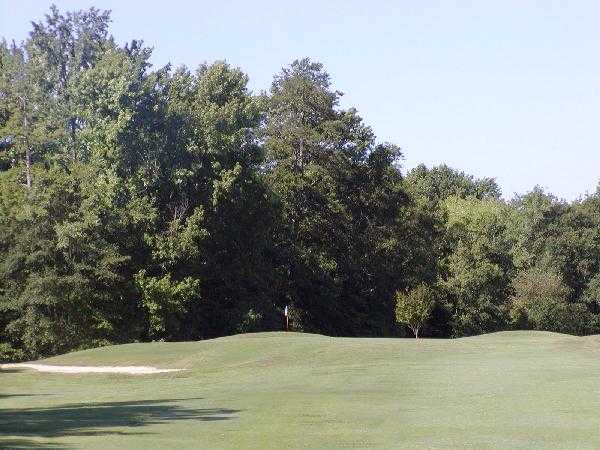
(301,156)
(27,148)
(28,166)
(72,125)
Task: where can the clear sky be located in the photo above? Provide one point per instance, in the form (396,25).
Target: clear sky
(507,89)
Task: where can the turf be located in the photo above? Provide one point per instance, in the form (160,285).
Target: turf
(278,390)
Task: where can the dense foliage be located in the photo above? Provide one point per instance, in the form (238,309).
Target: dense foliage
(145,204)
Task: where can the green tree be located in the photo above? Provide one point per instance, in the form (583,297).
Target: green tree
(438,183)
(65,265)
(59,50)
(340,198)
(166,303)
(479,265)
(21,117)
(540,300)
(414,307)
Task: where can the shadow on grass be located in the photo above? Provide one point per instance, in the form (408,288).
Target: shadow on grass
(25,443)
(93,419)
(12,370)
(21,395)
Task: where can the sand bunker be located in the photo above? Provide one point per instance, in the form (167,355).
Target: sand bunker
(132,370)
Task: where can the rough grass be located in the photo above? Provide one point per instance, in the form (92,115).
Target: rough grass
(277,390)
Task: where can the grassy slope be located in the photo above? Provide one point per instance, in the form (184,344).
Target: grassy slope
(274,390)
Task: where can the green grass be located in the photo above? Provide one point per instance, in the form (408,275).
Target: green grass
(276,390)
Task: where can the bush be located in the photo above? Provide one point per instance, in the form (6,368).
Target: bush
(10,354)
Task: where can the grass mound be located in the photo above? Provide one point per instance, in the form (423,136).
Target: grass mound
(268,390)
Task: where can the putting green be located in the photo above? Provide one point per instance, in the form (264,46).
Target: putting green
(278,390)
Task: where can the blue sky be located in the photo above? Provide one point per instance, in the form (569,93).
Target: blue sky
(507,89)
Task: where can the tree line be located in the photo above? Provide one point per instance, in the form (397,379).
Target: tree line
(141,203)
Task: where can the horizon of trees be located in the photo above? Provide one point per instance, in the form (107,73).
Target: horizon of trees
(142,204)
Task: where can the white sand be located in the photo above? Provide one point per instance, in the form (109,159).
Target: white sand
(132,370)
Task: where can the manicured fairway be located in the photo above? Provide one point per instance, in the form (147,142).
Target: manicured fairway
(276,390)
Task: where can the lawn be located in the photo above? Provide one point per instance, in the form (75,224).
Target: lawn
(278,390)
